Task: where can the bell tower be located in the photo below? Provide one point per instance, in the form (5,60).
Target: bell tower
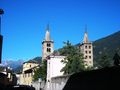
(87,50)
(47,44)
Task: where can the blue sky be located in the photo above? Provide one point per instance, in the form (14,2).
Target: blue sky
(24,23)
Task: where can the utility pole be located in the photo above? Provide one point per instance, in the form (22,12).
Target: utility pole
(1,37)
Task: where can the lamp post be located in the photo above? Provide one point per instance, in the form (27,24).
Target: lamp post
(40,80)
(1,37)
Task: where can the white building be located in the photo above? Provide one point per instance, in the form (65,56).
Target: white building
(54,66)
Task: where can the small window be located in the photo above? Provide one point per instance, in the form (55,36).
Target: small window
(86,52)
(89,57)
(90,62)
(86,47)
(89,52)
(85,57)
(48,50)
(89,47)
(48,45)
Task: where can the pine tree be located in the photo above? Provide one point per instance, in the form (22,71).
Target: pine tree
(104,61)
(116,59)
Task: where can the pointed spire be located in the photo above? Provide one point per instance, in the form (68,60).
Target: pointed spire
(47,36)
(86,28)
(48,27)
(85,35)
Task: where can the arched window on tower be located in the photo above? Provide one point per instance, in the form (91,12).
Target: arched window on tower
(48,50)
(48,45)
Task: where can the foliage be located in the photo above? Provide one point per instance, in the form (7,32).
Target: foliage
(111,44)
(104,61)
(41,72)
(74,59)
(116,59)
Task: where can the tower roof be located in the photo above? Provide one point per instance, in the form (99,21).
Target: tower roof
(85,40)
(47,36)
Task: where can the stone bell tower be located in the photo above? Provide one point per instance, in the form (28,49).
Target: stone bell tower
(87,50)
(47,44)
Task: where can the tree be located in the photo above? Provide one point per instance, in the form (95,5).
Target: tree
(74,59)
(41,72)
(116,59)
(104,61)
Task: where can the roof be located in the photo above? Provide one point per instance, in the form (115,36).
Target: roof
(31,61)
(31,69)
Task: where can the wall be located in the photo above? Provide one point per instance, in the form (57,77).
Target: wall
(26,79)
(54,66)
(57,83)
(37,85)
(101,79)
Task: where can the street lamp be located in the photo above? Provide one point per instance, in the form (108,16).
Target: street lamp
(40,80)
(1,37)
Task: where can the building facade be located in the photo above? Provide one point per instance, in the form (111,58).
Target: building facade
(54,66)
(26,76)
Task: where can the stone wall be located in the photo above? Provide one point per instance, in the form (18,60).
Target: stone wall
(39,85)
(57,83)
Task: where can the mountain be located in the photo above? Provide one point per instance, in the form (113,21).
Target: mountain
(108,45)
(13,63)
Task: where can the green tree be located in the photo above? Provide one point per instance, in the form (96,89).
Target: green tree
(74,59)
(116,59)
(41,72)
(104,61)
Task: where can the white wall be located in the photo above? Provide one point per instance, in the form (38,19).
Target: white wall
(54,66)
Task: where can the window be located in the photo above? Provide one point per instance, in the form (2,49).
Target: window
(86,47)
(89,47)
(86,52)
(85,57)
(48,50)
(89,57)
(48,45)
(90,62)
(89,52)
